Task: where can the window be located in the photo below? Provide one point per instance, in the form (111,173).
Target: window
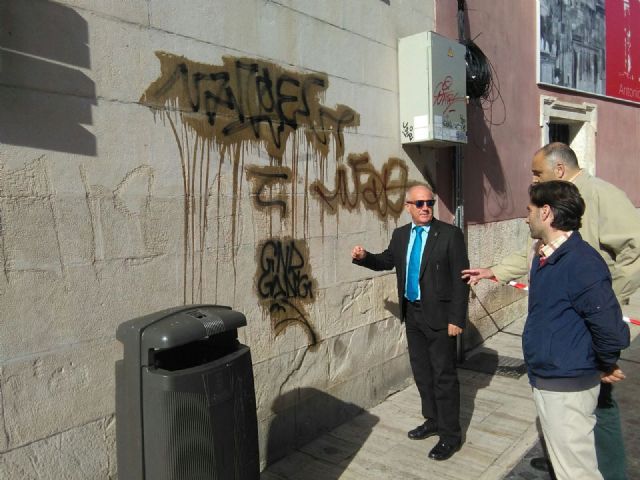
(572,123)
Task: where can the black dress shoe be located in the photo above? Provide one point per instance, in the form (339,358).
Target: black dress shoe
(426,430)
(542,464)
(443,450)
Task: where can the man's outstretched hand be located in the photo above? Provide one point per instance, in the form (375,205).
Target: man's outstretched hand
(474,275)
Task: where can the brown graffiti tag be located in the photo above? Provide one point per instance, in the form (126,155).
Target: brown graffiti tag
(266,177)
(245,99)
(381,192)
(284,283)
(215,112)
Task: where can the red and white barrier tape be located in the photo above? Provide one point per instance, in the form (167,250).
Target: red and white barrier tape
(525,287)
(519,286)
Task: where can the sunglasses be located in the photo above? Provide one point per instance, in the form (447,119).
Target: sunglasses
(422,203)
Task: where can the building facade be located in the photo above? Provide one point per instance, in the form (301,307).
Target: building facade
(155,154)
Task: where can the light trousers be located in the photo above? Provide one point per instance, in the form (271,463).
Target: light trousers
(568,420)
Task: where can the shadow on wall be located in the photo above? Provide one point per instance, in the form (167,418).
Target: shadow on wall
(423,158)
(393,308)
(436,166)
(303,415)
(484,181)
(46,99)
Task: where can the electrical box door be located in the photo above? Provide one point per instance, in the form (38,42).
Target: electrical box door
(432,83)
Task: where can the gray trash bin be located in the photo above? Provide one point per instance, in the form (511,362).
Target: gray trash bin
(185,400)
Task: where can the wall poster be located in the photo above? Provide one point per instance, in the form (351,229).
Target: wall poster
(592,46)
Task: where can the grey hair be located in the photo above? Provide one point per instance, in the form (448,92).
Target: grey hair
(408,191)
(558,152)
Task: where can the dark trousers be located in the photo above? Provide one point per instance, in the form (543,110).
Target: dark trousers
(432,354)
(608,435)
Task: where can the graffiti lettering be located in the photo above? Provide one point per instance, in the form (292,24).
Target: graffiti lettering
(283,277)
(407,130)
(381,192)
(284,283)
(250,100)
(263,177)
(444,95)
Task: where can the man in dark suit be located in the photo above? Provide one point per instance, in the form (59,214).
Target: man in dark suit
(427,256)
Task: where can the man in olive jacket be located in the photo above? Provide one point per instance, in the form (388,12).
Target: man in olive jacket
(611,225)
(427,256)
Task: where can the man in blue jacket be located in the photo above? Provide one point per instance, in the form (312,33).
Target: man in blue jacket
(574,330)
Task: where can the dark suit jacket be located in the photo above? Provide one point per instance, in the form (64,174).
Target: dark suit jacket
(444,295)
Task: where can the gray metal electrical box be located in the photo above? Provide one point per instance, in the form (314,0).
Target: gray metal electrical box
(433,86)
(185,399)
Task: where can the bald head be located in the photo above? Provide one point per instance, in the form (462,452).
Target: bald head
(555,161)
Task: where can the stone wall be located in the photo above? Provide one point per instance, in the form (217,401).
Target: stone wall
(492,306)
(158,153)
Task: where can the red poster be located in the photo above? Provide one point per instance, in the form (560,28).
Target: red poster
(623,49)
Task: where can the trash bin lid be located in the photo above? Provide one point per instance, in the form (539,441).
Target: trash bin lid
(177,326)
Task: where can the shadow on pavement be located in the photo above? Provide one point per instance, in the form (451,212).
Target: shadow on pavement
(301,417)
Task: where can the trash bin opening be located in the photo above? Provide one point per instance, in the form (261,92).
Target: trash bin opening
(196,353)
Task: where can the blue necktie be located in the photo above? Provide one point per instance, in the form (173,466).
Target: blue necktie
(414,266)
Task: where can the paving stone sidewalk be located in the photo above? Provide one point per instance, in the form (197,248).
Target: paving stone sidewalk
(498,417)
